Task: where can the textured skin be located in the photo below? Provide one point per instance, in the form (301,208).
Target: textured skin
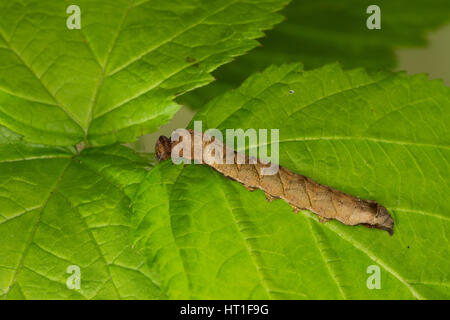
(299,191)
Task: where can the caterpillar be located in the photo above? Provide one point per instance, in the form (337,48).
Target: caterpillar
(299,191)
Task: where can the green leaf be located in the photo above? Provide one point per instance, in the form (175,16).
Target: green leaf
(323,31)
(116,77)
(60,209)
(377,136)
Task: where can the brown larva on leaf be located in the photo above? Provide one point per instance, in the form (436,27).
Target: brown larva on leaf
(299,191)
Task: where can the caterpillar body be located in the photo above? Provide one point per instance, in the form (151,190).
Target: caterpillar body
(299,191)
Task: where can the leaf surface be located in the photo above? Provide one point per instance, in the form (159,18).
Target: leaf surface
(378,136)
(116,77)
(60,209)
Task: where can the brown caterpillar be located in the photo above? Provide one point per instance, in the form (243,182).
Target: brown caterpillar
(299,191)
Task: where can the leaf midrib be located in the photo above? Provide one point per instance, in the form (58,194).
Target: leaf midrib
(103,67)
(150,50)
(327,264)
(157,46)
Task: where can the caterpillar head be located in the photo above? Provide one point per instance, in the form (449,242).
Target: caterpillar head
(163,148)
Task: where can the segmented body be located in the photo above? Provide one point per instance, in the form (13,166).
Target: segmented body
(299,191)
